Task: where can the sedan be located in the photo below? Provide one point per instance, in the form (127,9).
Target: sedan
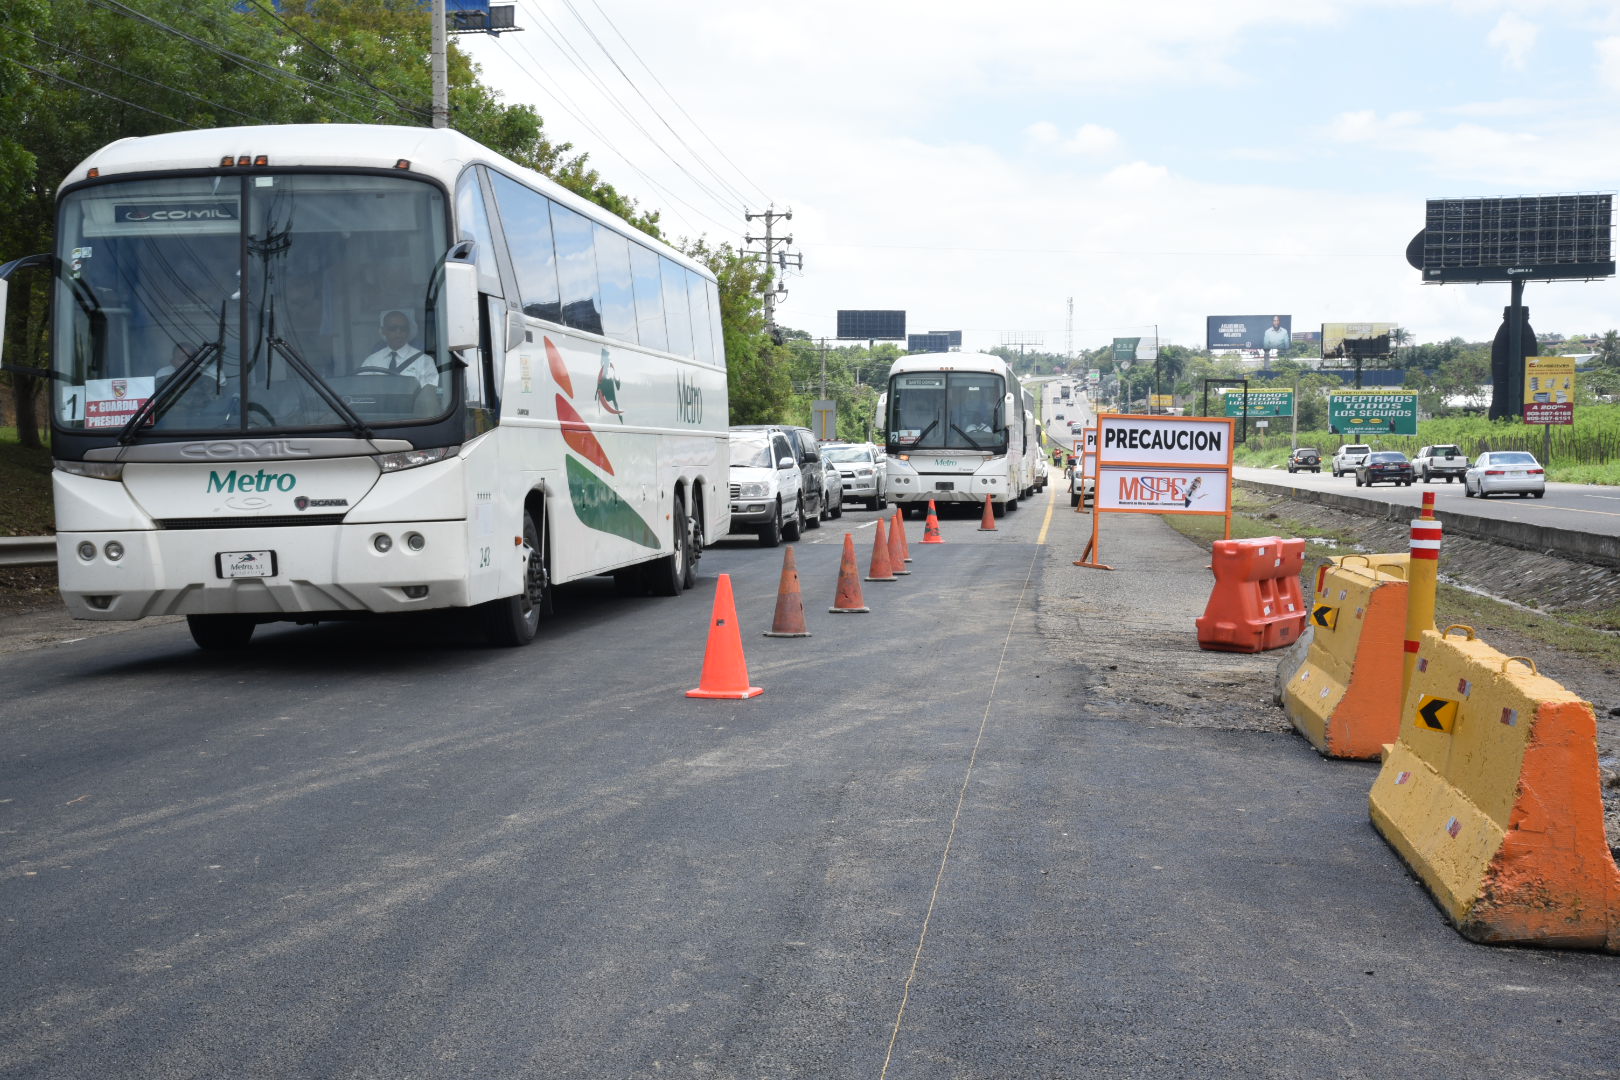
(1505,472)
(1381,465)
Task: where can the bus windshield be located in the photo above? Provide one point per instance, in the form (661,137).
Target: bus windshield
(941,410)
(269,301)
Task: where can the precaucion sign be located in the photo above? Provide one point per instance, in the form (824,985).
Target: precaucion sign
(1161,465)
(1549,389)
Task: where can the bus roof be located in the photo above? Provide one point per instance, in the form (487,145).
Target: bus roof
(440,153)
(957,361)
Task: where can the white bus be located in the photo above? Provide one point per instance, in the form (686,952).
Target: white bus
(1034,454)
(955,428)
(306,372)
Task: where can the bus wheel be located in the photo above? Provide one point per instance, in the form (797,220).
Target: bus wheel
(694,550)
(514,620)
(667,576)
(221,633)
(1012,504)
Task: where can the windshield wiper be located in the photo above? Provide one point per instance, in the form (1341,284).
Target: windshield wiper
(177,384)
(966,436)
(350,418)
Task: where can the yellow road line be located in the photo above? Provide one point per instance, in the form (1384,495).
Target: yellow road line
(1051,504)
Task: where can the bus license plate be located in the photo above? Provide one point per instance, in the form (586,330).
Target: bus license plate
(240,564)
(944,485)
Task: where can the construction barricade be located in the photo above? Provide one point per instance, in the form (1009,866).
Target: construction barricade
(1344,692)
(1256,603)
(1490,793)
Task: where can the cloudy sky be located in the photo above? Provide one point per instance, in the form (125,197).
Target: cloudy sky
(1158,161)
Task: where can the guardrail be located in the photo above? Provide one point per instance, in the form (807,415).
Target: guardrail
(27,551)
(1528,536)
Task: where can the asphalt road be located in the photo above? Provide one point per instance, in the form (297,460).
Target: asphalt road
(933,848)
(1589,508)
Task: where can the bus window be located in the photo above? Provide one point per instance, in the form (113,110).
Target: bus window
(702,338)
(576,269)
(677,312)
(526,220)
(649,298)
(613,277)
(472,223)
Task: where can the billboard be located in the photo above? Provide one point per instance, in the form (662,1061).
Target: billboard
(872,325)
(1250,331)
(1261,402)
(955,337)
(1125,349)
(929,343)
(1549,389)
(1376,336)
(1527,238)
(1372,412)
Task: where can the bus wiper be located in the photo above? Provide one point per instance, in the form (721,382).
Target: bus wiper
(966,436)
(177,384)
(350,418)
(923,434)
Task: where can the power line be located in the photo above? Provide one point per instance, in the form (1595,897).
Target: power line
(348,69)
(677,104)
(144,79)
(722,181)
(1138,251)
(102,93)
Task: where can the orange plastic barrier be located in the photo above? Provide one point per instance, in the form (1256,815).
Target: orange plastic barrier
(1256,603)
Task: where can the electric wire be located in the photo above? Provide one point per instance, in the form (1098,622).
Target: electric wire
(608,19)
(144,79)
(722,181)
(102,93)
(343,66)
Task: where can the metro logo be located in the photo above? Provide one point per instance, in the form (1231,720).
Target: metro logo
(234,481)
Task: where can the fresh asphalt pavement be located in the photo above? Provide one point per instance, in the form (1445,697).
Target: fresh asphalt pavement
(928,850)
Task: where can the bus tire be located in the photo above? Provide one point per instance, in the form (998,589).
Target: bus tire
(1012,504)
(771,535)
(666,576)
(221,633)
(794,529)
(514,620)
(694,546)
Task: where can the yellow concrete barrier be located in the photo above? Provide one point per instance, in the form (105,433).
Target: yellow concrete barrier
(1491,794)
(1345,694)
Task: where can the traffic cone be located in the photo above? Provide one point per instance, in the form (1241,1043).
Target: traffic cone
(931,527)
(988,522)
(789,620)
(848,599)
(897,553)
(900,528)
(879,570)
(725,671)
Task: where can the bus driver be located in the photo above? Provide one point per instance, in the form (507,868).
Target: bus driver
(398,356)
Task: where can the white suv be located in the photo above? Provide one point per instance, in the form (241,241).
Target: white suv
(1349,456)
(766,485)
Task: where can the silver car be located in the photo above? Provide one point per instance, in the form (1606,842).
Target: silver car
(861,468)
(1505,472)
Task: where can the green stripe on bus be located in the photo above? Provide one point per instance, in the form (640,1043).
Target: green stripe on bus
(599,507)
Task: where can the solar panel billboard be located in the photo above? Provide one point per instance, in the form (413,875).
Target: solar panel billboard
(872,325)
(1528,237)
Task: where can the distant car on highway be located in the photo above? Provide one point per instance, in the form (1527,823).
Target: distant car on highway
(1383,466)
(1349,457)
(1443,459)
(1303,458)
(1505,472)
(832,501)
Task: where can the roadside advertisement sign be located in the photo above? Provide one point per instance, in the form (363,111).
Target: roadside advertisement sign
(1249,331)
(1373,412)
(1261,402)
(1549,389)
(1335,334)
(1125,348)
(1160,465)
(1163,401)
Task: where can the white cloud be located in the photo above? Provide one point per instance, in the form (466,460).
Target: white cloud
(1515,36)
(1608,62)
(1088,139)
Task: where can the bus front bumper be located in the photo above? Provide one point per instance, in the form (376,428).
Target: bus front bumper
(956,487)
(303,570)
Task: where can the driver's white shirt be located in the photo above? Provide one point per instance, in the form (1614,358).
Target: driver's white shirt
(416,363)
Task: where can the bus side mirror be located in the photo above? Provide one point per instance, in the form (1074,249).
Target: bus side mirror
(460,305)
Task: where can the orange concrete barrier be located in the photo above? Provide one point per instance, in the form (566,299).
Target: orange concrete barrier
(1344,691)
(1256,603)
(1491,795)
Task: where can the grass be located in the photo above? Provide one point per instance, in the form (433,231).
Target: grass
(25,488)
(1591,636)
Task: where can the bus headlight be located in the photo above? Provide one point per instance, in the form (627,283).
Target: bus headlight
(382,542)
(96,470)
(114,550)
(413,459)
(87,550)
(415,541)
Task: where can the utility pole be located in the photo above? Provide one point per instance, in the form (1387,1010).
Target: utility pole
(1068,336)
(769,255)
(441,70)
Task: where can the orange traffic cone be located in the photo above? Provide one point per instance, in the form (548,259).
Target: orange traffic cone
(931,527)
(848,600)
(879,569)
(897,554)
(789,620)
(725,671)
(988,522)
(899,529)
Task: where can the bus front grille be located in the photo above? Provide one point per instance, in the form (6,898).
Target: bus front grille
(280,522)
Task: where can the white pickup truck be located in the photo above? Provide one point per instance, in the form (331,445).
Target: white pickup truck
(1441,460)
(1348,457)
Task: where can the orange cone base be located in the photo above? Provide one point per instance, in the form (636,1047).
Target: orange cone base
(734,695)
(848,610)
(784,633)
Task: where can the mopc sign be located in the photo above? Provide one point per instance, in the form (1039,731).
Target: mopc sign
(1160,465)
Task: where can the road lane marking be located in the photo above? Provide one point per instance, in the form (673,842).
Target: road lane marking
(961,798)
(1046,523)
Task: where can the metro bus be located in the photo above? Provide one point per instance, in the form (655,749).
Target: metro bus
(956,431)
(314,371)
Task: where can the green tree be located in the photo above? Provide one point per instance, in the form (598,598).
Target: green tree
(761,387)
